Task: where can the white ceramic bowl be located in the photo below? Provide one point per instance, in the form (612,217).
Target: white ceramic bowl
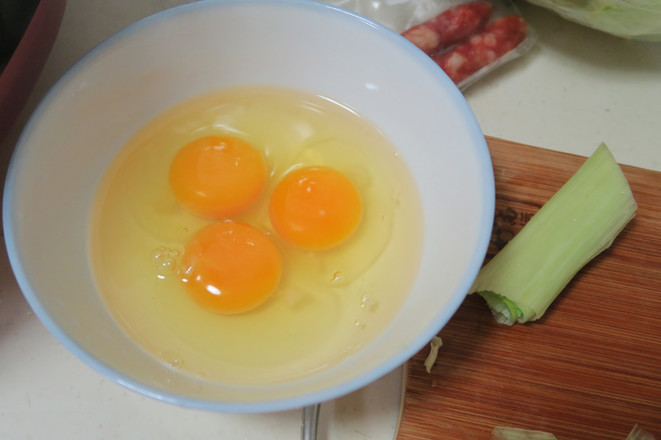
(185,51)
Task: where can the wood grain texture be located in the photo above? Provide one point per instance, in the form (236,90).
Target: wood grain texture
(590,368)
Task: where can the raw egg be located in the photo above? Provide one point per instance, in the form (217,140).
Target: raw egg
(217,176)
(315,207)
(231,267)
(297,261)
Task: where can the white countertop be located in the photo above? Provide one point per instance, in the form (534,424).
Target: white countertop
(576,88)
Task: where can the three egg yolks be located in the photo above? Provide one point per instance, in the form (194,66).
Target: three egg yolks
(231,267)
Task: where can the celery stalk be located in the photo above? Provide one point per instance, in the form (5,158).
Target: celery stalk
(501,433)
(638,433)
(575,225)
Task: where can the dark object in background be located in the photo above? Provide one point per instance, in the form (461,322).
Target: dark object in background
(27,31)
(14,19)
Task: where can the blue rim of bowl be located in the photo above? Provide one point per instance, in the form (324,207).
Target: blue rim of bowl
(392,363)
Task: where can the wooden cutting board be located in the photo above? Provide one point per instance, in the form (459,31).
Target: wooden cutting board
(590,368)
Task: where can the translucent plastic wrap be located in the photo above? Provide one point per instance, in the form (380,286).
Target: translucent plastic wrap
(466,38)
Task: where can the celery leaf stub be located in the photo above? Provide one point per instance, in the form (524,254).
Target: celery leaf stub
(575,225)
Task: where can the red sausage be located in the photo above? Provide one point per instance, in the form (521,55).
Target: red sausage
(450,26)
(482,49)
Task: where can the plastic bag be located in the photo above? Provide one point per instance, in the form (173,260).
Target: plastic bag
(475,36)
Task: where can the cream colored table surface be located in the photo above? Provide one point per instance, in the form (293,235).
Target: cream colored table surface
(576,88)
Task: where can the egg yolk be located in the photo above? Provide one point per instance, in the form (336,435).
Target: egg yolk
(217,176)
(315,208)
(231,267)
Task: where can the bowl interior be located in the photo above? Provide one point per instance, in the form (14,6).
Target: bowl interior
(186,51)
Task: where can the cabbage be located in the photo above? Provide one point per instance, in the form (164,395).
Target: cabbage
(636,19)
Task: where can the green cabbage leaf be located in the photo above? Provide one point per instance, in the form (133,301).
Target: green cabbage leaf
(635,19)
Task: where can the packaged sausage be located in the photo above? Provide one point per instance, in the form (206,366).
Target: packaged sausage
(466,38)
